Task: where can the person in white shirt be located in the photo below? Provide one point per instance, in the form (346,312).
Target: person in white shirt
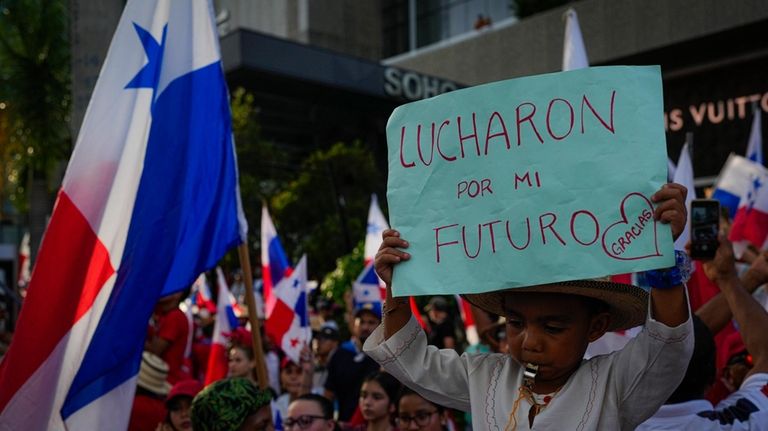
(544,383)
(747,408)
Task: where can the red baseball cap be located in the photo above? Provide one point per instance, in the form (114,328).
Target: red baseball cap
(286,361)
(189,388)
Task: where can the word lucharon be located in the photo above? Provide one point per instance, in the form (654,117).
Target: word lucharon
(458,137)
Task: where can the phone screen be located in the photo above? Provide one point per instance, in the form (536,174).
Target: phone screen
(705,224)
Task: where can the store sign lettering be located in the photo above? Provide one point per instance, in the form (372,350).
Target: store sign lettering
(714,112)
(414,86)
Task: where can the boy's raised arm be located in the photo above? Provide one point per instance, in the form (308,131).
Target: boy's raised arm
(668,304)
(396,311)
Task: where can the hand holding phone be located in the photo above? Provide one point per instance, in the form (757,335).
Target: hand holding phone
(705,226)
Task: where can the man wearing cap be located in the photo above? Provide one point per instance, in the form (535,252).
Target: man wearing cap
(325,341)
(440,331)
(349,365)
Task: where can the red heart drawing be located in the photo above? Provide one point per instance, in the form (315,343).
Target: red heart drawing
(619,237)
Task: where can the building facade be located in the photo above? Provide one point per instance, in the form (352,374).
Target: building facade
(325,71)
(713,58)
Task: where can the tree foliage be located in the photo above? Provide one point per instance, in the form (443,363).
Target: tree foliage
(323,211)
(340,280)
(318,200)
(262,167)
(34,92)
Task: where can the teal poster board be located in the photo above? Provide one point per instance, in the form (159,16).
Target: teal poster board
(529,181)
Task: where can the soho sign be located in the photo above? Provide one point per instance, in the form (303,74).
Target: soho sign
(414,86)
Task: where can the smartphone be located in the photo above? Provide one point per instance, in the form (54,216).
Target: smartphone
(705,225)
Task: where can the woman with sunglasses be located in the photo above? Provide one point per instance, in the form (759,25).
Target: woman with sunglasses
(417,413)
(310,412)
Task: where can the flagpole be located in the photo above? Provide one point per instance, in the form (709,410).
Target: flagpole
(258,353)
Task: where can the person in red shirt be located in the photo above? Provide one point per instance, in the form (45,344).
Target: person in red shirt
(151,388)
(169,336)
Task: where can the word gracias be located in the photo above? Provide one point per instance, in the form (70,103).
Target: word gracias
(525,117)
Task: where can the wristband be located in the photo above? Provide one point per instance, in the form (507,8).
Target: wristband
(668,278)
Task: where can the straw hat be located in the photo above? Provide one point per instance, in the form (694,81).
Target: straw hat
(627,304)
(153,374)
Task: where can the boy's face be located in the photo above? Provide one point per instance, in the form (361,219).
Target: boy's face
(551,330)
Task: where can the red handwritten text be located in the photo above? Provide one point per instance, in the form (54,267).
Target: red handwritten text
(459,138)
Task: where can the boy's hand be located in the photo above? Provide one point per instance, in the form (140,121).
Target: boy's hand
(723,266)
(389,255)
(670,208)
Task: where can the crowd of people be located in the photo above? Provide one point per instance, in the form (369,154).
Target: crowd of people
(334,386)
(700,361)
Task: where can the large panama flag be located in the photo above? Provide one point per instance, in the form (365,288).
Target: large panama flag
(149,200)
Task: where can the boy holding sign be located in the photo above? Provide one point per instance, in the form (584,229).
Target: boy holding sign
(517,194)
(544,382)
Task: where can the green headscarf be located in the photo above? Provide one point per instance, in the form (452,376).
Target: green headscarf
(224,405)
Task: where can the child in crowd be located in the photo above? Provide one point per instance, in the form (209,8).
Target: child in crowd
(544,383)
(293,383)
(310,412)
(242,362)
(415,412)
(179,405)
(378,402)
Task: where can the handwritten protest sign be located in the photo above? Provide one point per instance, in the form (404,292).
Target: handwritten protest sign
(529,181)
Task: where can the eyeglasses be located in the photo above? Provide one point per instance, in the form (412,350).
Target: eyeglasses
(421,418)
(303,421)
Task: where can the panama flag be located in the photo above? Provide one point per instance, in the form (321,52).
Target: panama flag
(684,176)
(201,294)
(755,144)
(288,325)
(750,225)
(735,181)
(226,322)
(366,292)
(186,306)
(377,224)
(465,310)
(277,419)
(24,263)
(671,169)
(274,262)
(574,53)
(149,201)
